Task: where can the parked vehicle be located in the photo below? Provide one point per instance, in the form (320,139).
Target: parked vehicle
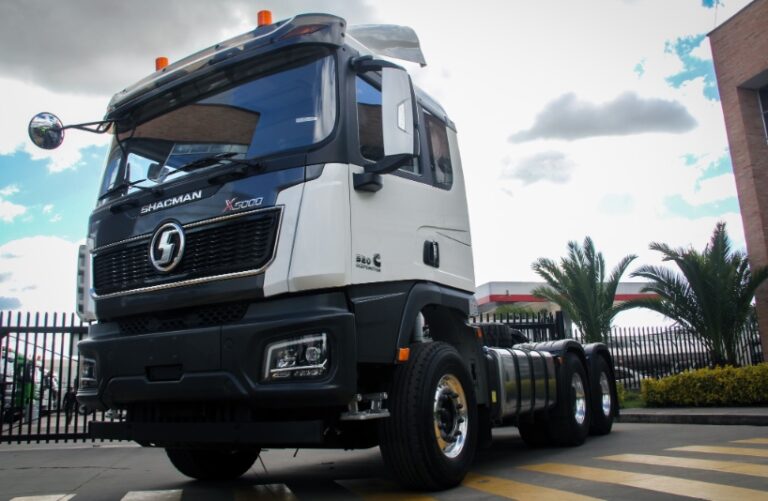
(280,256)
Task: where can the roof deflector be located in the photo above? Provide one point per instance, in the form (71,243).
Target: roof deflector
(400,42)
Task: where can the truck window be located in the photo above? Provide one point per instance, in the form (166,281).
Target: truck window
(439,152)
(369,120)
(287,109)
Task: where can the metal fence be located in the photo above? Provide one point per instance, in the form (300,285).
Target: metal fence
(39,366)
(639,353)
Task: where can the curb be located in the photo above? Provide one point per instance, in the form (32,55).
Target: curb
(713,419)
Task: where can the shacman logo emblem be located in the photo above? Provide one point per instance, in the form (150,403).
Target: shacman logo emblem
(167,247)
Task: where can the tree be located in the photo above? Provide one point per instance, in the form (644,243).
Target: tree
(579,287)
(711,296)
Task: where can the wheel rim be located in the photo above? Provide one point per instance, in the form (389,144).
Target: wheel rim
(605,392)
(580,400)
(450,416)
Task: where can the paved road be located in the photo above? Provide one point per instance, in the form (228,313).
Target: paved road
(637,461)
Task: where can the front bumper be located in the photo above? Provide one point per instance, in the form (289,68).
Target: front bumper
(224,363)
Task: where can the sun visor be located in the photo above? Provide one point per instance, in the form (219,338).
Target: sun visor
(391,40)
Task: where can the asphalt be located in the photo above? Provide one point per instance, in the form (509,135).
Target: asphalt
(754,416)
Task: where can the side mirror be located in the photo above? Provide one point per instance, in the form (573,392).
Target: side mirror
(46,131)
(397,112)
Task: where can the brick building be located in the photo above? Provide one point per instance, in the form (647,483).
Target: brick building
(740,50)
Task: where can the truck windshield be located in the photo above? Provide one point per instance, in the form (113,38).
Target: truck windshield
(281,111)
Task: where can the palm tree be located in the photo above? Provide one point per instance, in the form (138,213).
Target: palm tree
(711,296)
(578,286)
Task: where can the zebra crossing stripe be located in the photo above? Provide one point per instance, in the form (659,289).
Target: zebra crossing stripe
(47,497)
(733,451)
(657,483)
(518,490)
(756,470)
(759,441)
(271,492)
(166,495)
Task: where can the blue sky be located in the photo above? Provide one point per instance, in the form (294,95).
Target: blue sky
(602,121)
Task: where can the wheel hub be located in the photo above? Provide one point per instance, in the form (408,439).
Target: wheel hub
(580,399)
(450,416)
(605,391)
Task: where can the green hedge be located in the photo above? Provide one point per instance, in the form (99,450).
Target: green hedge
(722,386)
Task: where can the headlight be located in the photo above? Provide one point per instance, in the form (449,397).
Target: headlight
(89,378)
(299,357)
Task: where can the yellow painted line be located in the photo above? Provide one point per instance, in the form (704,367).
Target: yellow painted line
(167,495)
(759,441)
(756,470)
(373,489)
(658,483)
(518,490)
(48,497)
(733,451)
(272,492)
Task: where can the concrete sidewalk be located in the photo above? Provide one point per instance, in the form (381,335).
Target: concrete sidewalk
(755,416)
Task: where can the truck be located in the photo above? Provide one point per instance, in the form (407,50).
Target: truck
(280,257)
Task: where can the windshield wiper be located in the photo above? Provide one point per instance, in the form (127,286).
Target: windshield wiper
(206,161)
(243,169)
(124,186)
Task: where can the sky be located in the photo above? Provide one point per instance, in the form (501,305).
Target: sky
(598,117)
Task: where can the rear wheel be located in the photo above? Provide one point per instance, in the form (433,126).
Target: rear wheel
(569,422)
(429,440)
(603,406)
(210,464)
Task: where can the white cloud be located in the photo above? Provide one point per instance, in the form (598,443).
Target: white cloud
(712,189)
(9,190)
(47,208)
(550,166)
(40,272)
(10,211)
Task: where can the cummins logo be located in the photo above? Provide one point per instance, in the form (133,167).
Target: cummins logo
(170,202)
(368,263)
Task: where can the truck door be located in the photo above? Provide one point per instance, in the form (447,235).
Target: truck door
(407,230)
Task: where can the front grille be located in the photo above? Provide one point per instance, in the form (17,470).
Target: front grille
(188,318)
(218,248)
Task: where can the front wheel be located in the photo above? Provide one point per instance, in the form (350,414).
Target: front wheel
(211,464)
(430,438)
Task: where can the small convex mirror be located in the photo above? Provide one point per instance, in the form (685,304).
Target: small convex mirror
(46,131)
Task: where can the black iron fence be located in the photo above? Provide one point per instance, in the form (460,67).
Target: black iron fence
(39,366)
(639,353)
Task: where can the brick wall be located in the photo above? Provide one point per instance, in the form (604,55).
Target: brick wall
(740,50)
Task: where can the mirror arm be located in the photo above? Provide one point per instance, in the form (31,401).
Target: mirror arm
(99,127)
(389,163)
(362,64)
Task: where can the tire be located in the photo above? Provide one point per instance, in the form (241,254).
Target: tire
(535,433)
(570,419)
(603,395)
(432,393)
(211,464)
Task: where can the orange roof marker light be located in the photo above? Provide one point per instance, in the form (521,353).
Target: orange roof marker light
(160,63)
(264,17)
